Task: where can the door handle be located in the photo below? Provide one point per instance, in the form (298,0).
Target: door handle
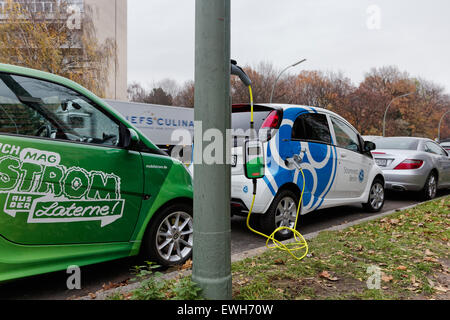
(343,155)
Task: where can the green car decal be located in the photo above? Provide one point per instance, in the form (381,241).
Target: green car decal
(72,201)
(35,183)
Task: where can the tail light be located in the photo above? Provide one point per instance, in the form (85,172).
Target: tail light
(409,165)
(272,121)
(376,152)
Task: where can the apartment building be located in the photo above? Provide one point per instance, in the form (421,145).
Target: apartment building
(110,21)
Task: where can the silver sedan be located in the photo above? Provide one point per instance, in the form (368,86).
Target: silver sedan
(413,164)
(446,145)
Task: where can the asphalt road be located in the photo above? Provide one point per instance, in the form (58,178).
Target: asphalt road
(53,286)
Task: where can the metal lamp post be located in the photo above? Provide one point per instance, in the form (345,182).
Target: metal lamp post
(281,73)
(440,124)
(212,183)
(389,106)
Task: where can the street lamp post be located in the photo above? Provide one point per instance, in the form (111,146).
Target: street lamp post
(440,124)
(389,106)
(212,183)
(281,73)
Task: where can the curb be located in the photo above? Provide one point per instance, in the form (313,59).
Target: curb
(103,295)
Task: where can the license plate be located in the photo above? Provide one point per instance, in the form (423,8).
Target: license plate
(381,162)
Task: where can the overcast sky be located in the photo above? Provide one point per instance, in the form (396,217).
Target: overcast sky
(344,35)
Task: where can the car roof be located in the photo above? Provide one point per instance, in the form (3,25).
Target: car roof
(413,138)
(314,109)
(420,139)
(41,75)
(292,106)
(22,71)
(284,107)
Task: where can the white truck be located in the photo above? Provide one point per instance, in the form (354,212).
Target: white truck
(157,122)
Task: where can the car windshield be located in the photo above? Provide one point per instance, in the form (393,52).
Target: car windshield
(397,144)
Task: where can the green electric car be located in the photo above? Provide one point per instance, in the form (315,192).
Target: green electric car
(79,184)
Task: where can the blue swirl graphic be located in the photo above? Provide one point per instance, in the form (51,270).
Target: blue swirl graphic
(319,162)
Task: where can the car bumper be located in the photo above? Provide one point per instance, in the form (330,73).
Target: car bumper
(242,194)
(405,180)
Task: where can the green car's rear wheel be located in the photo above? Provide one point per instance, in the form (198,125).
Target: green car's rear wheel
(169,240)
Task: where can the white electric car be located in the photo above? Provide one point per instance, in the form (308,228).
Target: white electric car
(337,163)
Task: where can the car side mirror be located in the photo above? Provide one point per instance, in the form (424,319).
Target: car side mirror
(369,146)
(130,138)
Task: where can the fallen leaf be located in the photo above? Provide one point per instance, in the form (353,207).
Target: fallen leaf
(128,296)
(92,296)
(110,286)
(243,281)
(394,221)
(402,268)
(441,289)
(328,276)
(187,265)
(386,278)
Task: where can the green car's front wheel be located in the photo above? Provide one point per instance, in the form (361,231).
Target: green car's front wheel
(169,240)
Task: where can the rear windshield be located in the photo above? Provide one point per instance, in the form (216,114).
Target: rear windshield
(241,120)
(397,144)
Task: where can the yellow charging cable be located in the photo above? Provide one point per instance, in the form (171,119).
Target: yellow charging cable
(252,104)
(299,244)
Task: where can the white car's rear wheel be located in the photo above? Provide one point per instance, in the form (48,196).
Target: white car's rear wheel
(282,213)
(376,197)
